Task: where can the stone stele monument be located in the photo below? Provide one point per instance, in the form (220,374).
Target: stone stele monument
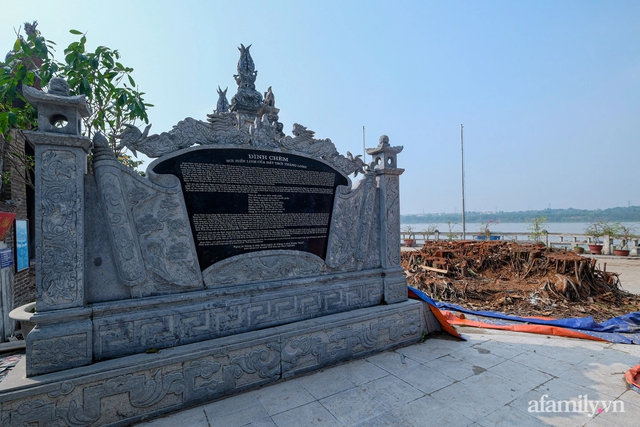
(244,256)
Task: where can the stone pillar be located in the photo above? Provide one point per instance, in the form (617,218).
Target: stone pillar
(62,338)
(388,180)
(607,245)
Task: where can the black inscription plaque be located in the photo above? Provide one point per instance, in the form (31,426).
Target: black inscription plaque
(244,200)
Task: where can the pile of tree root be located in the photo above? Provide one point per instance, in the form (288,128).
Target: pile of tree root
(520,279)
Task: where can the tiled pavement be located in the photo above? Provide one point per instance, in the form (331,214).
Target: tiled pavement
(493,379)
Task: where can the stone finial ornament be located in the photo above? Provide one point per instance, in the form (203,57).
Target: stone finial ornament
(57,111)
(223,105)
(247,99)
(384,155)
(58,86)
(247,73)
(269,99)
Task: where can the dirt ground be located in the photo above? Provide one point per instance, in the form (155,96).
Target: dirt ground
(524,279)
(628,269)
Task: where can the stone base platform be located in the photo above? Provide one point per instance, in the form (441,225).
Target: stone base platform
(123,391)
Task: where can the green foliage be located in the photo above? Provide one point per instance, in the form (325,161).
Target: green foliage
(430,231)
(599,228)
(451,234)
(616,230)
(22,162)
(623,233)
(485,227)
(29,63)
(112,94)
(535,227)
(127,160)
(409,230)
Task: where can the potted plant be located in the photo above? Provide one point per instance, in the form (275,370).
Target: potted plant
(536,232)
(486,231)
(451,234)
(410,239)
(578,249)
(624,234)
(430,231)
(596,230)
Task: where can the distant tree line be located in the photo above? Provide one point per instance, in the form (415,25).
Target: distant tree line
(620,214)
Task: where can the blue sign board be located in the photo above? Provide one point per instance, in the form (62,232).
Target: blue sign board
(6,257)
(22,244)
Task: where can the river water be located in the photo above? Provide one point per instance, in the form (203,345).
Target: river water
(511,227)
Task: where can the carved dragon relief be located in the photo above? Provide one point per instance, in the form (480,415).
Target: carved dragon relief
(149,227)
(60,282)
(222,128)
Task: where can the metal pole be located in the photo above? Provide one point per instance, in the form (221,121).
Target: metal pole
(364,150)
(464,225)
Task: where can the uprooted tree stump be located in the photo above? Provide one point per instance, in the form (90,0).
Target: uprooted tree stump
(523,279)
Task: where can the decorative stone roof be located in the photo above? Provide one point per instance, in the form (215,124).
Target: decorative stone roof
(250,120)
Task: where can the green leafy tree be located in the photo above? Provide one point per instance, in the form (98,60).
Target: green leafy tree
(27,64)
(451,234)
(430,231)
(112,94)
(535,227)
(599,228)
(485,228)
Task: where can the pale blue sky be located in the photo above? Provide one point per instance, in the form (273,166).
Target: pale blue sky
(548,91)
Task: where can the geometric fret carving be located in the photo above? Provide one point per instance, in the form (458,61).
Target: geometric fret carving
(121,334)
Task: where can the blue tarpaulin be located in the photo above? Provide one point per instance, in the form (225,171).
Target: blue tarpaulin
(622,329)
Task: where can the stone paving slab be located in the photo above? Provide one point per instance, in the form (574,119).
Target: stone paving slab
(495,378)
